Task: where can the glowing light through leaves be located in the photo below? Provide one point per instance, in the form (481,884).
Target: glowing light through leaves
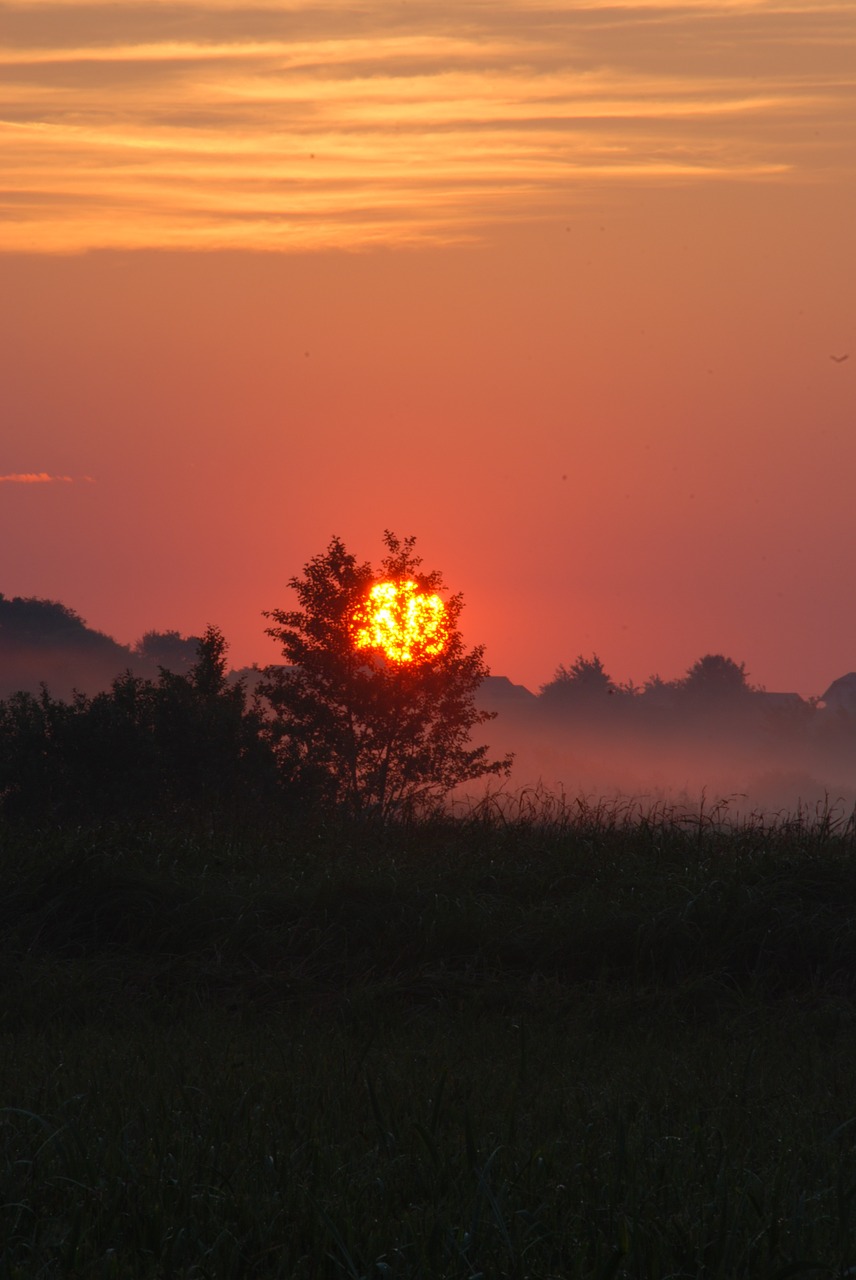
(406,624)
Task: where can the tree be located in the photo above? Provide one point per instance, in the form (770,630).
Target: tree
(375,734)
(45,641)
(168,649)
(211,748)
(715,678)
(32,623)
(39,623)
(184,745)
(586,680)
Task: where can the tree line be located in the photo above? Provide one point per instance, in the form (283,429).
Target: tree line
(332,728)
(335,727)
(714,678)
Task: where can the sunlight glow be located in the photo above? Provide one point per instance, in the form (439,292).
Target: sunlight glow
(423,126)
(406,624)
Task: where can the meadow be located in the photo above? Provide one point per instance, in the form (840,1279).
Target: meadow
(578,1041)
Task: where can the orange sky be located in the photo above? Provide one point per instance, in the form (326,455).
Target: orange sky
(554,286)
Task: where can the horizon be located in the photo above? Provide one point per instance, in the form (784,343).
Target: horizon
(236,667)
(714,736)
(564,291)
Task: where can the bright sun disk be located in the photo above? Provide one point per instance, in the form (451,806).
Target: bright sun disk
(406,624)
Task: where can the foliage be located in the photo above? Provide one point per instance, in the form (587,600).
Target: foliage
(27,622)
(656,687)
(181,743)
(715,677)
(712,679)
(168,649)
(371,736)
(586,680)
(43,640)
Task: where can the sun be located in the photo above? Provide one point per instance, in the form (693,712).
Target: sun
(406,624)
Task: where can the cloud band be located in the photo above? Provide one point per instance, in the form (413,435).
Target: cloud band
(40,477)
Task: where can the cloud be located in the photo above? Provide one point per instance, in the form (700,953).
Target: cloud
(40,477)
(197,124)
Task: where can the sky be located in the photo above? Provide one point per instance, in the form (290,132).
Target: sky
(562,289)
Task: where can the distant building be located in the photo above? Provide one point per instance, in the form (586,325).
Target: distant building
(496,692)
(841,694)
(781,701)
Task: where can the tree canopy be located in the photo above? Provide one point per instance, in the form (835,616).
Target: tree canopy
(184,744)
(168,649)
(30,622)
(715,677)
(585,678)
(376,734)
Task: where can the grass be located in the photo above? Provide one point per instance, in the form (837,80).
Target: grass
(580,1042)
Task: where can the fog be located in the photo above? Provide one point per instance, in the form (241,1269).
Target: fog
(769,755)
(62,670)
(708,738)
(43,642)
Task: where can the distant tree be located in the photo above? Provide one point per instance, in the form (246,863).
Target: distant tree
(659,693)
(357,728)
(715,679)
(43,641)
(33,622)
(168,649)
(585,681)
(27,622)
(658,687)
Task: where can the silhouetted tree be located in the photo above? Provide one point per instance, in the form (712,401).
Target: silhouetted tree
(182,745)
(168,649)
(210,742)
(585,681)
(715,678)
(354,728)
(44,641)
(34,622)
(656,687)
(31,623)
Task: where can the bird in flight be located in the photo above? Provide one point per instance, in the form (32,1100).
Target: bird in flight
(841,359)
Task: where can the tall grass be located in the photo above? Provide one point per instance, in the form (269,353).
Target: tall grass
(579,1042)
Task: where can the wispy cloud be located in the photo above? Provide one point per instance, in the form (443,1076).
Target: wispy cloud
(42,477)
(288,126)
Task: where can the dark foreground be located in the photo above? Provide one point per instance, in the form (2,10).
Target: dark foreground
(599,1045)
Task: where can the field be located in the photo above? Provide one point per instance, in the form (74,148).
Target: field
(581,1042)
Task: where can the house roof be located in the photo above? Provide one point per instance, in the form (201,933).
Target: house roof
(842,691)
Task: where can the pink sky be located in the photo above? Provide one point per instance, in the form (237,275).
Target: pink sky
(554,287)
